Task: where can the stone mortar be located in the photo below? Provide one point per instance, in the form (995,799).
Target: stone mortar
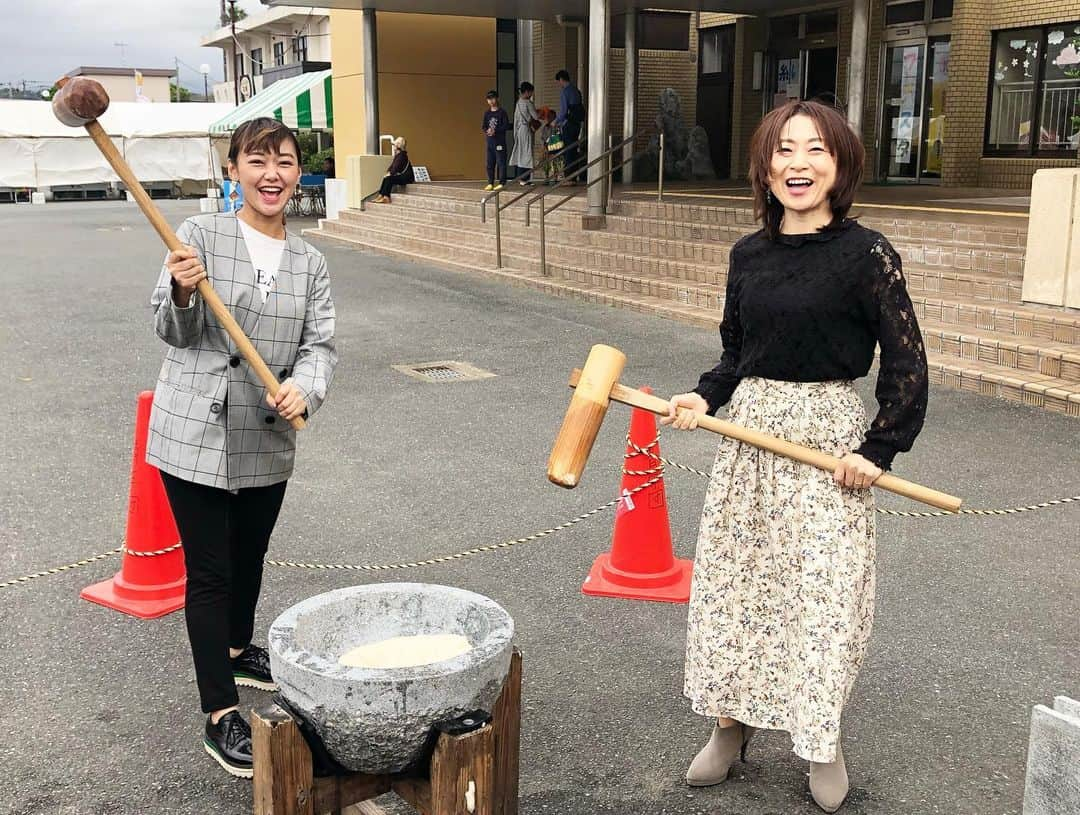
(379,720)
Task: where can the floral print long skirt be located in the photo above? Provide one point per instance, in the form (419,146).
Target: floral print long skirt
(783,590)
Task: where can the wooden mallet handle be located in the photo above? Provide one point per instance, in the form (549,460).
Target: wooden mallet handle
(161,226)
(824,461)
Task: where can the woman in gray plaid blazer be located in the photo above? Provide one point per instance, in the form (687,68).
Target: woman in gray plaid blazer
(224,447)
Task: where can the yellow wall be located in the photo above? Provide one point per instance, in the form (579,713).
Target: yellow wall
(433,74)
(346,44)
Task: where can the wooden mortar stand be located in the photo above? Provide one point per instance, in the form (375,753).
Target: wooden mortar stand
(483,762)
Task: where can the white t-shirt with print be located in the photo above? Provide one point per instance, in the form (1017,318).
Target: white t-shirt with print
(265,253)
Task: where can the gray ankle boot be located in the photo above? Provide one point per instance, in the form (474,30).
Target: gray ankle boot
(829,782)
(711,765)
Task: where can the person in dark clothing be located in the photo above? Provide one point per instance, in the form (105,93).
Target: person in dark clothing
(495,125)
(399,173)
(782,601)
(328,168)
(570,119)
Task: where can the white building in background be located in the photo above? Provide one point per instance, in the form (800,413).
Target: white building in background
(276,44)
(131,84)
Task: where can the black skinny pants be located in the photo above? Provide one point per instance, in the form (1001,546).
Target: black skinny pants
(496,161)
(391,181)
(225,538)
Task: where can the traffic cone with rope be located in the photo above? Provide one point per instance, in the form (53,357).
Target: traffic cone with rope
(151,580)
(641,564)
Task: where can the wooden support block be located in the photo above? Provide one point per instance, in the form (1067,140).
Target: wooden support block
(416,791)
(475,773)
(506,719)
(463,774)
(282,772)
(337,792)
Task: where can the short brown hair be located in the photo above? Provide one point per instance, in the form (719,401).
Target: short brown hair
(260,136)
(840,140)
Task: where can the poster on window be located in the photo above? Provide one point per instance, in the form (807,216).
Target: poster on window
(902,151)
(787,77)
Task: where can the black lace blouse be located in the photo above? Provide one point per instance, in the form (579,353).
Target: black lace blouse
(810,308)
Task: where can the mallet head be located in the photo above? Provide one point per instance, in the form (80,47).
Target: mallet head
(80,100)
(585,415)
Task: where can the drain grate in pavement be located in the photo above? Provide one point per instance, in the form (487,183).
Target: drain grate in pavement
(443,371)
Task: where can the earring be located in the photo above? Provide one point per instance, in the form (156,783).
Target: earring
(768,197)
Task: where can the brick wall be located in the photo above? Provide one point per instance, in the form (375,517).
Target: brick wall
(974,22)
(556,47)
(1013,173)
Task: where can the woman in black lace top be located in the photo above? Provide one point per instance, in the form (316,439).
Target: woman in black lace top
(783,592)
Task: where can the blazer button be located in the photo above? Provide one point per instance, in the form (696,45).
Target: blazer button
(269,420)
(215,407)
(234,361)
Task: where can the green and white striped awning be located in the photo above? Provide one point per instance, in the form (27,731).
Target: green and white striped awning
(302,102)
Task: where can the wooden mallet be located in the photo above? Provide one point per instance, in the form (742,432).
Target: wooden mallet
(79,103)
(597,384)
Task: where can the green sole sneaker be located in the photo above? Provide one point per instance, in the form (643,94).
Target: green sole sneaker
(229,767)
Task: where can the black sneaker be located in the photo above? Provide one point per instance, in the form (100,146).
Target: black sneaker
(252,669)
(229,742)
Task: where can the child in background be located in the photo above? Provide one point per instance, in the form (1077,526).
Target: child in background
(495,125)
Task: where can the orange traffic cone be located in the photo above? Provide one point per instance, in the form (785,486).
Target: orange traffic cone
(641,564)
(148,586)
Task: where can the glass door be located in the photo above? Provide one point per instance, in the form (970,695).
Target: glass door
(901,128)
(937,83)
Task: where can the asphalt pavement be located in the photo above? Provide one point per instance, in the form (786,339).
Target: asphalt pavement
(977,616)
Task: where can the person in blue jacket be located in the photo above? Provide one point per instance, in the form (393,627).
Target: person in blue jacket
(570,119)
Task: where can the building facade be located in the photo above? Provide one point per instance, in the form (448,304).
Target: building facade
(952,92)
(131,84)
(277,44)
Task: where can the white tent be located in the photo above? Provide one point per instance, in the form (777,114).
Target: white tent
(161,142)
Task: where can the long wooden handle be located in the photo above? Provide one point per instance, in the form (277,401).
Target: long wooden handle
(824,461)
(206,291)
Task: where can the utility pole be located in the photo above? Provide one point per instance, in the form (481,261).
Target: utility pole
(236,75)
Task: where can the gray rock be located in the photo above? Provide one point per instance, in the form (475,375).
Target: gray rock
(686,151)
(699,155)
(1052,785)
(380,720)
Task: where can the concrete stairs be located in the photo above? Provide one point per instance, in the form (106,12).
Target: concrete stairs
(671,260)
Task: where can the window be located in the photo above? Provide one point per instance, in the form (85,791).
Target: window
(905,12)
(1059,100)
(299,48)
(909,11)
(822,22)
(256,61)
(279,54)
(940,9)
(657,31)
(784,28)
(714,45)
(1034,95)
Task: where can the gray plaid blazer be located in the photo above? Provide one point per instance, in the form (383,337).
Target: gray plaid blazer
(210,422)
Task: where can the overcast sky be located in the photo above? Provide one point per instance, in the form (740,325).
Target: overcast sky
(41,40)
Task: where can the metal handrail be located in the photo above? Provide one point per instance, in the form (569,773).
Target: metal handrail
(573,176)
(605,176)
(539,197)
(580,143)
